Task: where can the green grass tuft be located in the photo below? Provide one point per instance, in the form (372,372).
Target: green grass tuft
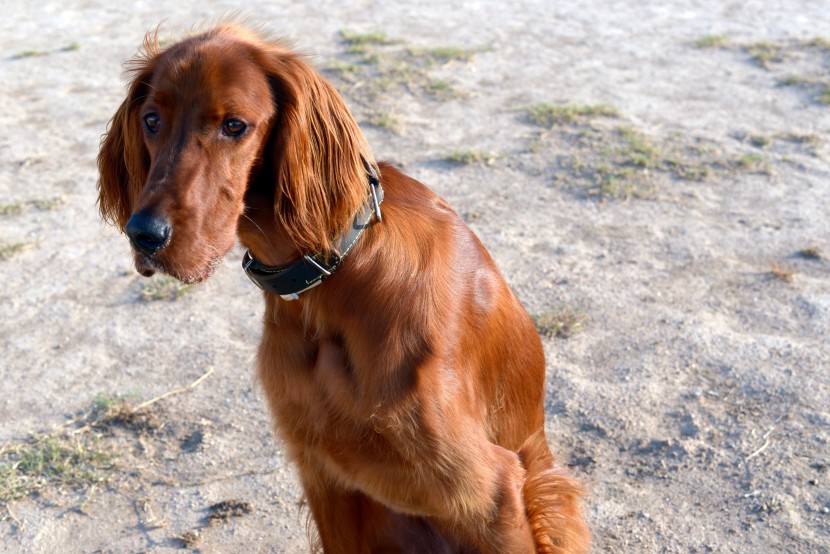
(45,204)
(637,149)
(30,53)
(711,41)
(754,163)
(820,42)
(765,53)
(469,156)
(441,89)
(343,68)
(385,120)
(548,115)
(561,322)
(362,39)
(443,54)
(7,250)
(103,402)
(12,209)
(164,287)
(43,460)
(793,81)
(759,141)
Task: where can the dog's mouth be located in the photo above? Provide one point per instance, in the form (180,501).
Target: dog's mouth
(144,264)
(147,266)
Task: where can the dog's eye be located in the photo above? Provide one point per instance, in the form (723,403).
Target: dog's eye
(233,127)
(152,120)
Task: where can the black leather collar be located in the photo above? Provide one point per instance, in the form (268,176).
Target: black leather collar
(290,280)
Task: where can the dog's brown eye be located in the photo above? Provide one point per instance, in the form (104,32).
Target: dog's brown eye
(152,121)
(233,127)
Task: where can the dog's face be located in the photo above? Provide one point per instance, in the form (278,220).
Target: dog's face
(204,118)
(220,125)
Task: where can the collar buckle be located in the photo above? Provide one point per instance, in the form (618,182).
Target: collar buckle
(289,281)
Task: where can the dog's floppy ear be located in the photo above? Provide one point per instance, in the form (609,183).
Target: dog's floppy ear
(123,160)
(318,152)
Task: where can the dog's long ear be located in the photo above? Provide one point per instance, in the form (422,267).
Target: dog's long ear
(318,152)
(123,160)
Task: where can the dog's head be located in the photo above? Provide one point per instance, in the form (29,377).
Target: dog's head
(214,128)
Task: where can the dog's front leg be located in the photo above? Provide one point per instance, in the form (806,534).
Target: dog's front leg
(349,522)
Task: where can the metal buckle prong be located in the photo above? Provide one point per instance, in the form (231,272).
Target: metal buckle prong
(250,260)
(373,188)
(319,268)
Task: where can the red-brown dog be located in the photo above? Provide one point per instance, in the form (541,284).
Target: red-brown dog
(408,386)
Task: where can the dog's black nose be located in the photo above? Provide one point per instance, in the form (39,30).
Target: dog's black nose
(149,233)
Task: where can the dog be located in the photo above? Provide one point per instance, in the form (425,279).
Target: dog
(404,376)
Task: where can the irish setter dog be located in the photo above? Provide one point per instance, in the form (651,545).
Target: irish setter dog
(408,385)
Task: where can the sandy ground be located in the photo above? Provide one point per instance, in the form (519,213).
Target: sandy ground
(678,245)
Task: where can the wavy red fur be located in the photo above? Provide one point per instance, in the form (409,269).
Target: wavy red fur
(409,386)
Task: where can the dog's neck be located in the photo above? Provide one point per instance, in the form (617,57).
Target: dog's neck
(259,231)
(268,241)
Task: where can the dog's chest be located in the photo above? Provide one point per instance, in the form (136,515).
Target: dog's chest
(325,412)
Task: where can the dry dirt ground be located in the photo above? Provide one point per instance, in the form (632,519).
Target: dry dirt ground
(652,178)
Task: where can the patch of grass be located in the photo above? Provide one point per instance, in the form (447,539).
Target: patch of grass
(343,68)
(793,81)
(469,156)
(712,41)
(46,204)
(611,161)
(808,140)
(782,272)
(385,120)
(12,209)
(30,53)
(104,402)
(637,149)
(443,54)
(561,322)
(754,163)
(622,163)
(50,460)
(442,89)
(164,287)
(438,85)
(617,183)
(548,115)
(688,170)
(7,250)
(361,43)
(765,53)
(815,82)
(628,162)
(577,164)
(759,141)
(378,67)
(353,38)
(820,42)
